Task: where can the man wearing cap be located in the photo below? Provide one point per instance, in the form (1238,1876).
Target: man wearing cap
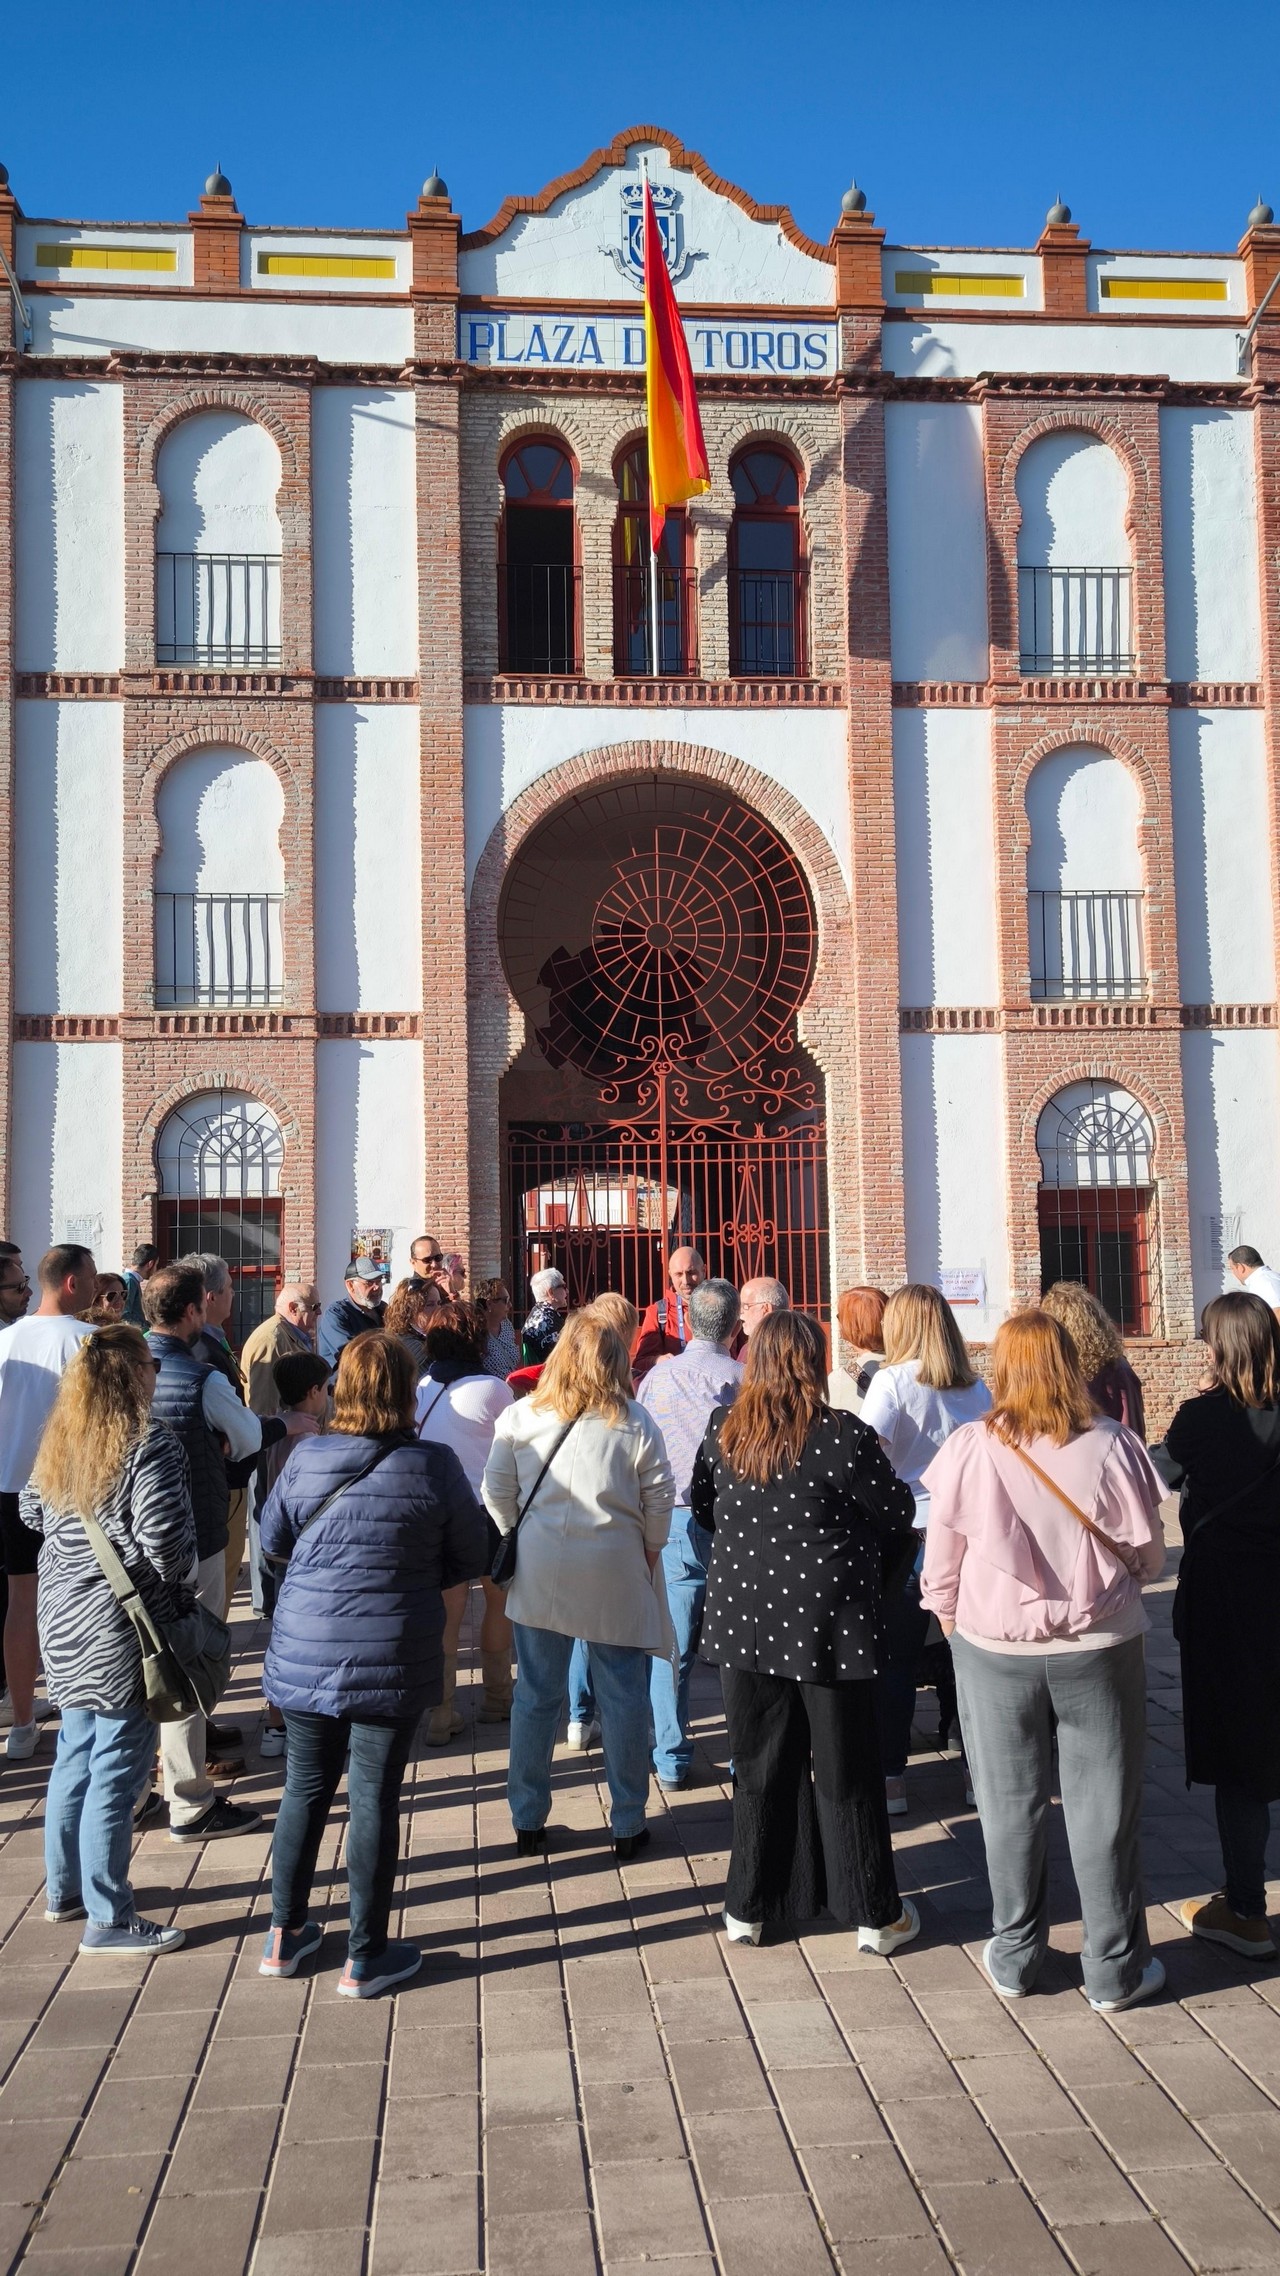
(355,1313)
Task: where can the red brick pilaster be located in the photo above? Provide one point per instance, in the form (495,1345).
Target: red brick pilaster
(217,231)
(1064,257)
(8,391)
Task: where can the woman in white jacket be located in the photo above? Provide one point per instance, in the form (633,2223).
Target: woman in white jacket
(587,1463)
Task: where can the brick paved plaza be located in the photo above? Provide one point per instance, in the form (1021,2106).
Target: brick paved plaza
(586,2076)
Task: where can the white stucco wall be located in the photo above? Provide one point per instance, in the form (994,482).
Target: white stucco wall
(945,860)
(364,532)
(935,349)
(937,541)
(69,551)
(368,937)
(68,1117)
(218,475)
(71,324)
(1208,511)
(1222,871)
(1231,1091)
(1083,806)
(953,1147)
(509,746)
(1073,491)
(69,857)
(369,1149)
(220,813)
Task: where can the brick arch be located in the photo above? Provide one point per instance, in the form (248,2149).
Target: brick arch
(145,834)
(227,1079)
(244,405)
(1129,1078)
(1081,736)
(797,434)
(518,426)
(1101,428)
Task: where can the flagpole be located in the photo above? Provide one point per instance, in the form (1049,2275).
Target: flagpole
(654,614)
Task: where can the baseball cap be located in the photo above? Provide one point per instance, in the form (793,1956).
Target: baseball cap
(367,1268)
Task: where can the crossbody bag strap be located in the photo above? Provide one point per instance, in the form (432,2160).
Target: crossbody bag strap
(441,1388)
(345,1488)
(117,1577)
(523,1510)
(1126,1556)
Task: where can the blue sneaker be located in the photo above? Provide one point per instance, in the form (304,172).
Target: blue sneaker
(364,1979)
(73,1909)
(286,1948)
(144,1936)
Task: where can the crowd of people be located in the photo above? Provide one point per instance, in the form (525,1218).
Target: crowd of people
(631,1491)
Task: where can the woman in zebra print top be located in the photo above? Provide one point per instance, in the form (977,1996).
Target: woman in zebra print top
(102,1454)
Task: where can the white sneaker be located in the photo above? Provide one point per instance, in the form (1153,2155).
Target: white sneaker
(742,1931)
(272,1742)
(1149,1983)
(895,1797)
(1006,1991)
(582,1737)
(901,1931)
(22,1741)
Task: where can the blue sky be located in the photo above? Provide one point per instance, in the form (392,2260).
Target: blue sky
(1156,123)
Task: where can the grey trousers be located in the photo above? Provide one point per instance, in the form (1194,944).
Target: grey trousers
(1011,1705)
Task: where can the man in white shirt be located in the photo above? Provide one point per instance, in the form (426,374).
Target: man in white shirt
(1256,1278)
(33,1355)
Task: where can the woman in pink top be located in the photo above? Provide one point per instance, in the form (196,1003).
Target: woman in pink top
(1043,1526)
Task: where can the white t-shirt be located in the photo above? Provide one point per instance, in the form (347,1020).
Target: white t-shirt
(462,1415)
(33,1354)
(1263,1282)
(914,1420)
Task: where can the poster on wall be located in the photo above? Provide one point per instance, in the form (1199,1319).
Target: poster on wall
(963,1283)
(374,1242)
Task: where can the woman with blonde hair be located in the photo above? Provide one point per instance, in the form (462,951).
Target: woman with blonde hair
(810,1530)
(103,1457)
(924,1389)
(616,1311)
(1113,1386)
(580,1472)
(1043,1526)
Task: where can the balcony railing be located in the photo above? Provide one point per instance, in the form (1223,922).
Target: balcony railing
(219,948)
(766,624)
(633,623)
(218,608)
(1085,945)
(539,617)
(1075,620)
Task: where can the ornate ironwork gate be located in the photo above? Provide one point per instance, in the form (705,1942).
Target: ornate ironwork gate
(673,1019)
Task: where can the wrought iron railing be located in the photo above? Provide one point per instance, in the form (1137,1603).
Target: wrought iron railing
(219,948)
(1075,620)
(1085,945)
(539,617)
(767,624)
(218,608)
(633,622)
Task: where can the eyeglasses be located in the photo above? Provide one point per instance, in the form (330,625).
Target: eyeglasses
(15,1288)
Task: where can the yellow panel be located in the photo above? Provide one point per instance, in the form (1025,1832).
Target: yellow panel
(325,265)
(1164,288)
(153,257)
(957,287)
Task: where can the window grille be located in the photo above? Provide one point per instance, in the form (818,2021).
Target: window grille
(1085,945)
(1075,620)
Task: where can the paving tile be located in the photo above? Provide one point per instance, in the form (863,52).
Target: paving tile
(338,2102)
(1124,2248)
(132,2115)
(1251,2035)
(54,2085)
(161,2046)
(796,2032)
(538,2244)
(212,2233)
(995,2231)
(1215,2224)
(1251,2146)
(1017,2093)
(866,2192)
(87,2018)
(648,2206)
(610,1986)
(333,2252)
(720,2075)
(318,2185)
(31,2150)
(1072,2179)
(609,2047)
(761,2235)
(262,2009)
(825,2108)
(769,1971)
(744,2153)
(945,2140)
(1203,2081)
(1082,2050)
(900,2065)
(901,2256)
(187,1980)
(522,2087)
(1141,2127)
(702,2010)
(427,2228)
(221,2151)
(627,2119)
(422,2057)
(238,2073)
(538,2167)
(91,2260)
(100,2202)
(424,2135)
(528,2020)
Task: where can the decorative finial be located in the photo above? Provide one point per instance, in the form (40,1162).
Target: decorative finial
(854,200)
(1262,216)
(1058,215)
(434,186)
(217,185)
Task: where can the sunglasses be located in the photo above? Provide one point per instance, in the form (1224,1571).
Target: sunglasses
(438,1258)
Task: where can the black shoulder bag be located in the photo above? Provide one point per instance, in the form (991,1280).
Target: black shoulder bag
(503,1569)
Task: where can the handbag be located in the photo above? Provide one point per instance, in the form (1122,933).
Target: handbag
(186,1660)
(1129,1558)
(503,1569)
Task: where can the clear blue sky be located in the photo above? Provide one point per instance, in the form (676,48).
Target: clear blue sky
(1158,123)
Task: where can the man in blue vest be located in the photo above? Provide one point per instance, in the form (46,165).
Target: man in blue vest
(198,1402)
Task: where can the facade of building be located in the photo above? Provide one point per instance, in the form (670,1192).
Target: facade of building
(917,915)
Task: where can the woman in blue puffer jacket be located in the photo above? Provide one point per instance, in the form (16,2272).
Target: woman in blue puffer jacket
(355,1655)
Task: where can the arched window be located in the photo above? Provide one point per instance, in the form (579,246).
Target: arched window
(219,890)
(219,1157)
(218,543)
(1084,878)
(766,568)
(539,581)
(1074,560)
(1095,1143)
(632,588)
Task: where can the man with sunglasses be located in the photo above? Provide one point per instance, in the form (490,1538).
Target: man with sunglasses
(15,1288)
(426,1258)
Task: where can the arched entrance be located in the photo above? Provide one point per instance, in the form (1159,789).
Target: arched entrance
(660,937)
(219,1157)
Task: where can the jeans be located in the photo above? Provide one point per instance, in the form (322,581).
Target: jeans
(316,1750)
(684,1565)
(582,1698)
(621,1677)
(101,1766)
(1243,1829)
(906,1624)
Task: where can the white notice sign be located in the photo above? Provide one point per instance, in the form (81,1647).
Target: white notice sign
(963,1283)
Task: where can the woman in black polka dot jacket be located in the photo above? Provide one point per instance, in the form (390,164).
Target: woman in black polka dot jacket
(811,1527)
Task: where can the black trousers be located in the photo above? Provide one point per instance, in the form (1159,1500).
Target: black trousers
(810,1826)
(317,1747)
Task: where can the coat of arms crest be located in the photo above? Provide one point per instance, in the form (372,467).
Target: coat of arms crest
(628,257)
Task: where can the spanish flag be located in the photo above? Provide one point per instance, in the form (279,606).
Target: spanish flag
(677,454)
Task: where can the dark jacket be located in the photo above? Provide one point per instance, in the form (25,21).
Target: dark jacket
(179,1401)
(1227,1610)
(340,1322)
(358,1618)
(800,1563)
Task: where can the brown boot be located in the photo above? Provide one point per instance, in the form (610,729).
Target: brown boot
(1214,1920)
(496,1706)
(444,1722)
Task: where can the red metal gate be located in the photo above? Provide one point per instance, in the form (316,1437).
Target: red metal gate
(675,996)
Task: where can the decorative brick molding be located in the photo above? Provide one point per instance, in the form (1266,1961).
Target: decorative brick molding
(659,695)
(65,1027)
(65,686)
(365,691)
(1080,691)
(1229,1015)
(404,1024)
(949,1019)
(940,695)
(232,681)
(1200,695)
(1012,1019)
(1215,695)
(208,1023)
